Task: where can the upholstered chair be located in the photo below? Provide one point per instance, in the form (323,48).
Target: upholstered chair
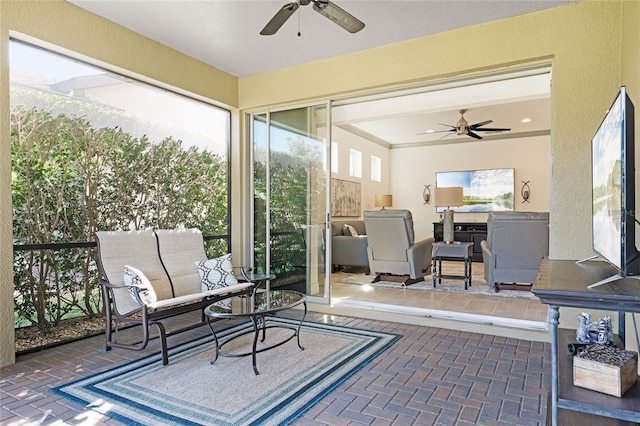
(515,246)
(393,253)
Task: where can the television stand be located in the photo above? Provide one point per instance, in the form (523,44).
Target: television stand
(612,278)
(564,283)
(586,259)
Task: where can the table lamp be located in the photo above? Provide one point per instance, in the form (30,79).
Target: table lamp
(383,200)
(447,197)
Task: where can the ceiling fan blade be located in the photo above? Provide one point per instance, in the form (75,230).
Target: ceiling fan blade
(442,137)
(490,129)
(279,18)
(338,15)
(473,135)
(482,123)
(436,131)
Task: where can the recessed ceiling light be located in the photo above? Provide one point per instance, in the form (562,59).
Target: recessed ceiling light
(430,131)
(525,120)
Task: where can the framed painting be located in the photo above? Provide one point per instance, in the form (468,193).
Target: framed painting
(345,198)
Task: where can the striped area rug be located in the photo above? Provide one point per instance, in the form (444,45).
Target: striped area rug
(192,391)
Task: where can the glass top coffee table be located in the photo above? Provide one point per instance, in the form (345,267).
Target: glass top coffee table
(256,307)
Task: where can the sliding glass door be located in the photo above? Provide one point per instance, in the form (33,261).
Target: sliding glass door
(290,196)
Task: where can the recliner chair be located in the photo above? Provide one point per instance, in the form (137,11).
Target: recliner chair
(393,254)
(515,246)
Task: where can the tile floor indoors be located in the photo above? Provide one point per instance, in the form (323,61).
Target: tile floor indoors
(463,302)
(431,376)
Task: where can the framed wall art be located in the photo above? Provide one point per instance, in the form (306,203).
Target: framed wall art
(345,198)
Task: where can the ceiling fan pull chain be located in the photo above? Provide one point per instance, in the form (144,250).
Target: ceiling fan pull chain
(299,23)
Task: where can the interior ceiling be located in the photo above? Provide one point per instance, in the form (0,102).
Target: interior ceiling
(225,34)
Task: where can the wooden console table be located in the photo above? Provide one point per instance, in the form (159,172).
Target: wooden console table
(564,283)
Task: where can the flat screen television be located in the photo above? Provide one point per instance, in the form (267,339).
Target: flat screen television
(482,190)
(613,186)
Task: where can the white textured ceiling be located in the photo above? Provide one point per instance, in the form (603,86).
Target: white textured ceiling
(225,34)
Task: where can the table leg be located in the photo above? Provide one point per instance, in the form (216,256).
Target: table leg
(554,315)
(215,339)
(470,271)
(262,322)
(434,272)
(466,273)
(304,315)
(256,330)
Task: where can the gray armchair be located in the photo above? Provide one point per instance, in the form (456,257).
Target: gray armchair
(393,254)
(515,246)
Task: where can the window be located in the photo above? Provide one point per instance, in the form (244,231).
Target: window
(93,150)
(355,163)
(334,157)
(376,169)
(151,150)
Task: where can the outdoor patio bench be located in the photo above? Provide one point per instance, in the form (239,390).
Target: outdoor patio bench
(149,276)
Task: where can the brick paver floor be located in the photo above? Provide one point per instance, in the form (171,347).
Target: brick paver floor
(431,376)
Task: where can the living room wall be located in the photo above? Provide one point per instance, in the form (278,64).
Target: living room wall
(412,168)
(346,141)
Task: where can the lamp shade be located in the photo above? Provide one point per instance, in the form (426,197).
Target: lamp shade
(384,200)
(448,196)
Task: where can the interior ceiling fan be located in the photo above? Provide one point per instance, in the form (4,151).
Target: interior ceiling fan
(463,127)
(323,7)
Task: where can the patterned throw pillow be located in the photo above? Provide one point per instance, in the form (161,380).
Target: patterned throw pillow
(350,230)
(216,273)
(140,284)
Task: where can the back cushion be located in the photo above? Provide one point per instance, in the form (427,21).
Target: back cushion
(350,231)
(179,250)
(337,226)
(138,249)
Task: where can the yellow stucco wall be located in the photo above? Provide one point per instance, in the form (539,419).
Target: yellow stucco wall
(593,46)
(583,41)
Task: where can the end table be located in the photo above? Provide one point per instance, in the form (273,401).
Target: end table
(456,250)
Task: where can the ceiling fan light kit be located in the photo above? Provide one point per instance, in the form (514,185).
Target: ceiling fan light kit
(326,8)
(463,128)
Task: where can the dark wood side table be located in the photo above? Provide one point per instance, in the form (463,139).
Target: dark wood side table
(565,283)
(455,250)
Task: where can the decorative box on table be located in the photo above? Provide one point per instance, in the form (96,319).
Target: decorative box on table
(605,369)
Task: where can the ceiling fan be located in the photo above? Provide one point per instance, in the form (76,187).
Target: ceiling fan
(462,127)
(323,7)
